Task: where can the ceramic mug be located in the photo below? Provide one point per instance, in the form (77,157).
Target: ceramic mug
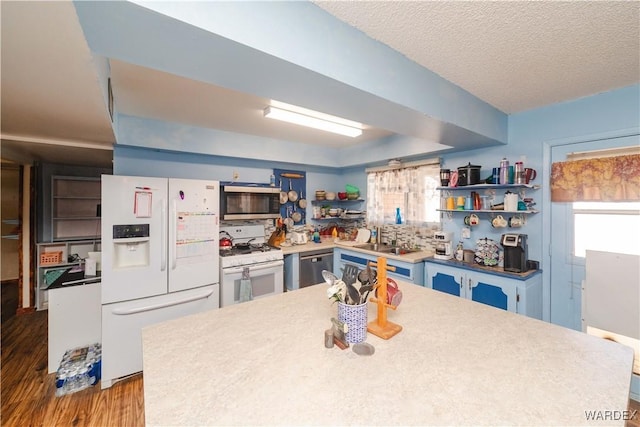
(394,294)
(529,175)
(499,222)
(471,219)
(515,221)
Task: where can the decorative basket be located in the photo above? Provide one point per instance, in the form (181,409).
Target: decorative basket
(355,316)
(50,258)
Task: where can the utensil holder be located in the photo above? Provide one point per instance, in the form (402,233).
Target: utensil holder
(355,316)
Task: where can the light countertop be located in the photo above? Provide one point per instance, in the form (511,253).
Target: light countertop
(456,362)
(329,243)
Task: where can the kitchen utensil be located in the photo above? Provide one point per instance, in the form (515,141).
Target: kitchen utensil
(477,204)
(516,221)
(363,235)
(349,274)
(292,194)
(504,171)
(296,216)
(363,277)
(453,181)
(499,222)
(330,195)
(451,203)
(468,203)
(329,277)
(472,219)
(510,202)
(299,237)
(288,222)
(520,176)
(495,176)
(529,175)
(484,203)
(302,202)
(226,243)
(394,294)
(468,175)
(284,197)
(445,176)
(291,175)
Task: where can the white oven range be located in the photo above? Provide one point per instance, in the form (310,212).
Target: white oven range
(265,264)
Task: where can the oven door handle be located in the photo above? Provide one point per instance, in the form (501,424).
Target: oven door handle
(253,268)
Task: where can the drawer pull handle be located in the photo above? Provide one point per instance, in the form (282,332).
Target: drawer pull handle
(128,311)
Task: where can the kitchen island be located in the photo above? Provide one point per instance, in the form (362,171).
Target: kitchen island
(455,362)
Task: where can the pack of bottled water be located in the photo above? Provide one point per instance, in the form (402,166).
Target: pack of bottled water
(80,368)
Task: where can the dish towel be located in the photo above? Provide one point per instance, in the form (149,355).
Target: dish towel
(246,293)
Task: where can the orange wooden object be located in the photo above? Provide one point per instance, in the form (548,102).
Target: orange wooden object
(381,327)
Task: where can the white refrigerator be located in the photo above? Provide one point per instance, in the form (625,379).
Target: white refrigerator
(160,260)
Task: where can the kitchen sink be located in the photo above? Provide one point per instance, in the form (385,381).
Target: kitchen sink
(385,249)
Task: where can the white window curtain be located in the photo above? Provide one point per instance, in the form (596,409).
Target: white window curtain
(412,189)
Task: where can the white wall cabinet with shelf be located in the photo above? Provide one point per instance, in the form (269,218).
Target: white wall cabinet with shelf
(47,270)
(75,207)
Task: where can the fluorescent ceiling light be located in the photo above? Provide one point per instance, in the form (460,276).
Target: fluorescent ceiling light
(313,119)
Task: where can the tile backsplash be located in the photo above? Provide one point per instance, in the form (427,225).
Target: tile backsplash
(412,235)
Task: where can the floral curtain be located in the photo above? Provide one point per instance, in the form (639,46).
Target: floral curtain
(608,179)
(417,183)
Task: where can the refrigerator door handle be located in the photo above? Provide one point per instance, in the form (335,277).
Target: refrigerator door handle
(172,233)
(128,311)
(163,238)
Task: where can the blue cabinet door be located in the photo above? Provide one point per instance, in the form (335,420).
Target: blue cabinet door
(446,283)
(445,279)
(492,290)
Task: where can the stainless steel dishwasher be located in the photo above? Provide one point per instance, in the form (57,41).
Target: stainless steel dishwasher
(312,264)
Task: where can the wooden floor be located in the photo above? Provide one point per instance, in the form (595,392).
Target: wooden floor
(28,392)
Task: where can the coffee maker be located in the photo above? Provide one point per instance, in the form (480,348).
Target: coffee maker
(442,245)
(515,252)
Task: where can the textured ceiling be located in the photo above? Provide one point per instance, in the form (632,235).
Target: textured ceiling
(514,55)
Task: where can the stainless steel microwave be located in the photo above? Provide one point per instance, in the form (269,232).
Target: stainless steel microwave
(249,201)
